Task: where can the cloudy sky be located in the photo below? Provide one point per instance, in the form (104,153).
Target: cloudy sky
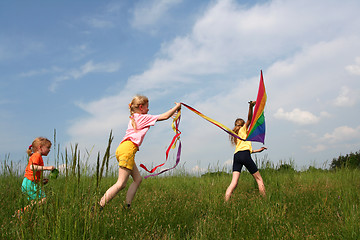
(74,66)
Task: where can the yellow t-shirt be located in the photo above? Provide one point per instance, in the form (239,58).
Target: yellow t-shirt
(243,145)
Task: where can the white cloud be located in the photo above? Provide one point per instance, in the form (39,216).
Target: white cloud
(316,148)
(87,68)
(343,137)
(346,98)
(355,68)
(84,70)
(106,114)
(307,133)
(297,116)
(325,114)
(44,71)
(311,77)
(148,13)
(343,133)
(106,17)
(81,51)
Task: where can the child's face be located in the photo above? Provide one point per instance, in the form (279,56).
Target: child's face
(144,109)
(44,150)
(239,122)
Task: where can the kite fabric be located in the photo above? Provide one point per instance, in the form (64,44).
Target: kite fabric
(257,126)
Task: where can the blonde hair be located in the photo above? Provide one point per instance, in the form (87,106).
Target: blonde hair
(239,122)
(36,144)
(134,106)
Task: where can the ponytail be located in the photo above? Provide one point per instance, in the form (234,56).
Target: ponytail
(238,124)
(131,109)
(134,105)
(29,151)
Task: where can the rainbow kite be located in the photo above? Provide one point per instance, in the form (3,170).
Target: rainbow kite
(257,126)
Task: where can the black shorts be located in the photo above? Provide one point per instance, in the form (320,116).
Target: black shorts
(243,158)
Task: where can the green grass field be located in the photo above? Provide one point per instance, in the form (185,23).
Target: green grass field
(299,205)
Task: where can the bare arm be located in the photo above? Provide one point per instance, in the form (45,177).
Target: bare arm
(168,114)
(41,168)
(259,150)
(250,114)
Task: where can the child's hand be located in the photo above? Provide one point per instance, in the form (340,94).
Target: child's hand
(259,150)
(174,115)
(50,168)
(252,103)
(262,149)
(178,106)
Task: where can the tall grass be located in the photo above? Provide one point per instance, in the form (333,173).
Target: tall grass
(321,205)
(314,204)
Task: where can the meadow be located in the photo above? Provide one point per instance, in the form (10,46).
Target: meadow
(312,204)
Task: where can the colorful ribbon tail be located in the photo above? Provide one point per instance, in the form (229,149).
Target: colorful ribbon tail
(152,170)
(165,170)
(172,145)
(167,154)
(145,168)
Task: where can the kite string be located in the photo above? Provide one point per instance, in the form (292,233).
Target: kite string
(216,123)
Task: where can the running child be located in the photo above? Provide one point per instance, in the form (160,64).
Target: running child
(139,124)
(33,172)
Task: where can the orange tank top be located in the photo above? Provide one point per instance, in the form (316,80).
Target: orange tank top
(35,159)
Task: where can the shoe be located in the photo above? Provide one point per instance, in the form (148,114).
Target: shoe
(127,206)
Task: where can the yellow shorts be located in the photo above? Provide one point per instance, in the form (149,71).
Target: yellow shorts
(125,154)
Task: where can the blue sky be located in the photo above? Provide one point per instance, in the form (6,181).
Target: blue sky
(74,66)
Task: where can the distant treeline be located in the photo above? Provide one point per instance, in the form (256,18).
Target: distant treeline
(351,160)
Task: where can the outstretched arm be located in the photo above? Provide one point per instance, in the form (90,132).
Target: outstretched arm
(259,150)
(41,168)
(168,114)
(250,114)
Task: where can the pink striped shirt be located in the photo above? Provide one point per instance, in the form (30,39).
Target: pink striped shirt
(143,123)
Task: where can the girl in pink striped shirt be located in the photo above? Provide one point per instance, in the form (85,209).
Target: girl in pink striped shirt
(139,124)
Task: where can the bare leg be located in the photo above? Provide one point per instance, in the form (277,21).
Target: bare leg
(260,183)
(32,203)
(124,174)
(232,186)
(135,174)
